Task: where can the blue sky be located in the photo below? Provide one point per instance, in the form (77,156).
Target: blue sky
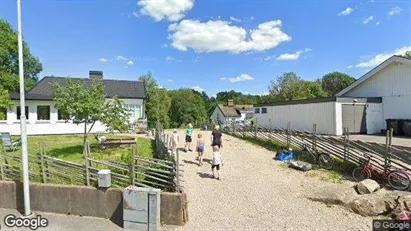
(214,45)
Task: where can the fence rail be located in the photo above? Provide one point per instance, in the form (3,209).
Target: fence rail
(161,172)
(340,147)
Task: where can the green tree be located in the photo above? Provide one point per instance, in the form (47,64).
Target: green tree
(88,105)
(407,54)
(313,90)
(187,107)
(334,82)
(158,102)
(224,96)
(9,63)
(5,103)
(288,86)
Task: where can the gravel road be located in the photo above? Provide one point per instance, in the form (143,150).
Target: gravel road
(256,193)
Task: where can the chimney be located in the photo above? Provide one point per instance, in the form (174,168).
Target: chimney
(96,75)
(230,103)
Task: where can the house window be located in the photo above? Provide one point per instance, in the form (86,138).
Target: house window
(257,110)
(135,111)
(264,110)
(3,113)
(60,116)
(19,113)
(43,112)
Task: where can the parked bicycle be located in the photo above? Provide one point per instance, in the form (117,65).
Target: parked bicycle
(324,160)
(396,178)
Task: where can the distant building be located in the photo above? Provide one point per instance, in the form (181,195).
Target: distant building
(382,93)
(226,114)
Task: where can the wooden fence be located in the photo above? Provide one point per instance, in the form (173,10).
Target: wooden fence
(341,147)
(143,172)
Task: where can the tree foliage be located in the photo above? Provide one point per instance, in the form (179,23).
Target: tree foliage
(407,54)
(158,102)
(88,105)
(187,107)
(9,62)
(335,82)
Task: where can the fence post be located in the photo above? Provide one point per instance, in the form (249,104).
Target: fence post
(387,145)
(43,171)
(288,134)
(1,165)
(178,171)
(314,136)
(345,143)
(133,166)
(86,162)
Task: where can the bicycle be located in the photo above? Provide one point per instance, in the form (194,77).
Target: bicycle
(389,174)
(324,160)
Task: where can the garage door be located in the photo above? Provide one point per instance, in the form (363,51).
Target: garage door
(353,117)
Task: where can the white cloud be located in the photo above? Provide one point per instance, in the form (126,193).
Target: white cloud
(376,60)
(260,94)
(234,19)
(196,59)
(130,63)
(172,10)
(394,11)
(252,18)
(170,59)
(377,23)
(240,78)
(218,36)
(160,87)
(135,14)
(164,46)
(169,80)
(367,20)
(292,56)
(122,58)
(103,60)
(346,12)
(197,88)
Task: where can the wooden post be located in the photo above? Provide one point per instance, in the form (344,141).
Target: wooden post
(288,134)
(314,136)
(133,167)
(345,143)
(86,162)
(43,170)
(178,171)
(390,145)
(89,153)
(1,165)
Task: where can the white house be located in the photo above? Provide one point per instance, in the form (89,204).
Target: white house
(226,114)
(44,118)
(382,93)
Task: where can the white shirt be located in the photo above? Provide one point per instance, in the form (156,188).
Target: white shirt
(174,138)
(216,158)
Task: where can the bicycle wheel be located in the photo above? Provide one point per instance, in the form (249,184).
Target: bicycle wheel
(325,161)
(303,155)
(398,180)
(359,173)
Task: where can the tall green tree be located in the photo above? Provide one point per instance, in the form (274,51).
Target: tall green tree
(334,82)
(288,86)
(9,63)
(187,107)
(88,105)
(407,54)
(158,102)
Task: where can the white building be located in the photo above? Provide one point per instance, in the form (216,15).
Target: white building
(44,118)
(226,114)
(382,93)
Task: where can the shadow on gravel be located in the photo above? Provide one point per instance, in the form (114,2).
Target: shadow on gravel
(205,175)
(190,162)
(207,160)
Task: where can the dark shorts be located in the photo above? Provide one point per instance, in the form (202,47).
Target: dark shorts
(188,139)
(215,166)
(217,144)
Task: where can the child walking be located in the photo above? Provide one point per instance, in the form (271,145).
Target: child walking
(200,148)
(174,139)
(217,161)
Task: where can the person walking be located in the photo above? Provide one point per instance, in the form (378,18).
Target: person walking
(200,148)
(189,133)
(216,137)
(174,140)
(217,161)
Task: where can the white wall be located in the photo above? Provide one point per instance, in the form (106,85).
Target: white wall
(218,115)
(301,116)
(53,126)
(393,84)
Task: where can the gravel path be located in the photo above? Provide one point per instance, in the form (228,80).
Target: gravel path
(256,193)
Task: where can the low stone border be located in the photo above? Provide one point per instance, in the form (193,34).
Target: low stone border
(87,201)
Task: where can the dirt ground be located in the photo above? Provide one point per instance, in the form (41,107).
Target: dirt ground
(256,192)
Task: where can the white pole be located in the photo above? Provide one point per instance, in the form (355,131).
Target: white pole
(24,155)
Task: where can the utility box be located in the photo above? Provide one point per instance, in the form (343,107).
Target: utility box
(104,178)
(141,208)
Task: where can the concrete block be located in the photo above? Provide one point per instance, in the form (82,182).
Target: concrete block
(87,201)
(114,206)
(50,198)
(171,211)
(8,198)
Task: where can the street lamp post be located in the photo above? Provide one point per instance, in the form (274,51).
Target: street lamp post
(24,155)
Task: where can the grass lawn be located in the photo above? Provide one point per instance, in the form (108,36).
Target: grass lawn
(70,148)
